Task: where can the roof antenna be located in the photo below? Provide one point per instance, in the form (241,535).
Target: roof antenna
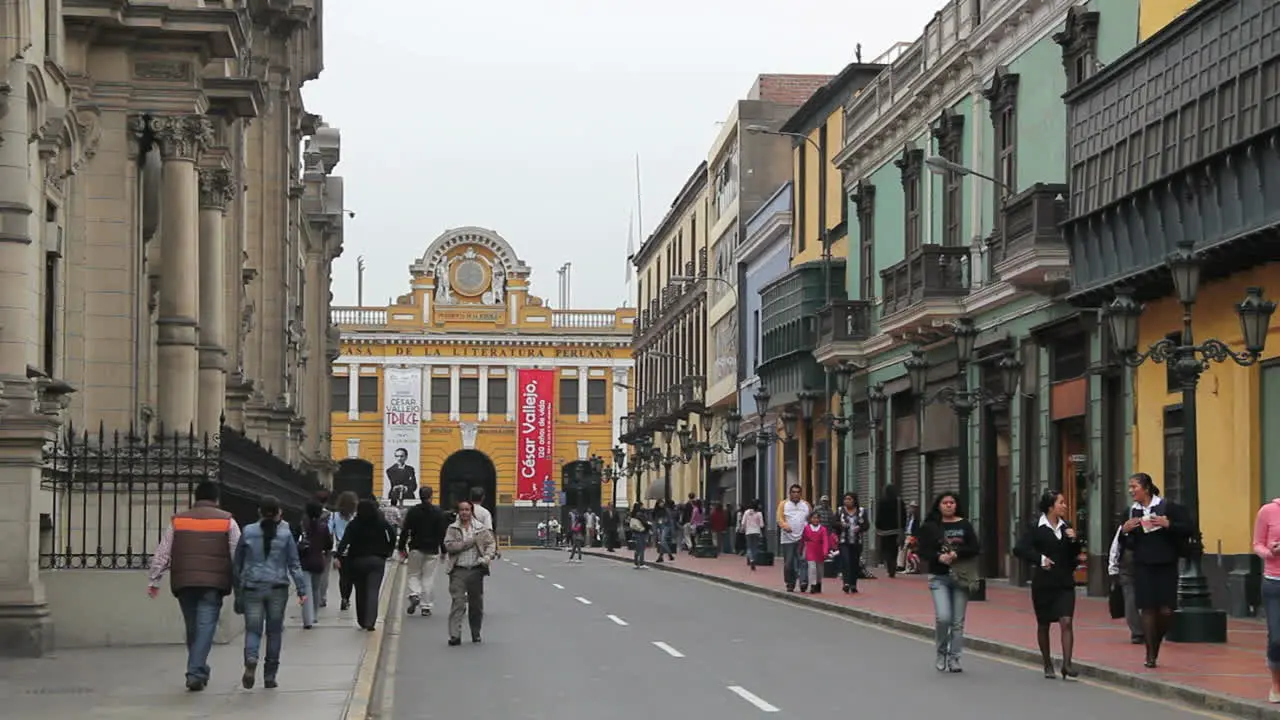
(857,53)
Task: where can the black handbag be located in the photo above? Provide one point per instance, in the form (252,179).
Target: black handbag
(1115,600)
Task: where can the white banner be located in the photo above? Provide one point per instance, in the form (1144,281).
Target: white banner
(401,432)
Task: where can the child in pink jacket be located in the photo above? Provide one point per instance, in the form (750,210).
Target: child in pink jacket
(818,542)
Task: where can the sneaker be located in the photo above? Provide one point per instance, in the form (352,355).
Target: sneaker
(940,663)
(345,606)
(196,684)
(953,665)
(426,611)
(1273,697)
(270,683)
(414,601)
(455,641)
(246,680)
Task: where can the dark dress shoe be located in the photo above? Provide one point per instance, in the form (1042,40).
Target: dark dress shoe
(455,641)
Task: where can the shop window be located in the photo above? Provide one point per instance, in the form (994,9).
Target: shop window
(1069,358)
(1174,442)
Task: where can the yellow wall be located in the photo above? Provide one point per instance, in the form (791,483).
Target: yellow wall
(652,274)
(809,198)
(496,438)
(1228,409)
(1153,15)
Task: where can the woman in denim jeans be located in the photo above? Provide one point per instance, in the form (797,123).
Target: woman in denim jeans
(1266,543)
(639,526)
(945,538)
(753,532)
(266,561)
(664,530)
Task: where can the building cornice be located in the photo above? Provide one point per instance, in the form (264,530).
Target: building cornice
(533,362)
(776,227)
(524,340)
(1010,30)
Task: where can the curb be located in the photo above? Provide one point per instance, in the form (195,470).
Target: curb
(1146,685)
(361,705)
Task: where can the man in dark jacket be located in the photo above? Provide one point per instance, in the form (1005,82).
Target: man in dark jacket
(421,542)
(197,551)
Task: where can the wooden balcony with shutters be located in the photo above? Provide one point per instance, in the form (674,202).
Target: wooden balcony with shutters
(924,291)
(843,328)
(1030,252)
(789,312)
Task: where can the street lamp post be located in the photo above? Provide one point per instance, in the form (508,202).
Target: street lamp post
(839,420)
(963,400)
(765,438)
(1195,620)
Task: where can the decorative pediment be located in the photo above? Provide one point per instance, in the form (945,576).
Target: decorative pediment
(948,131)
(1002,92)
(864,198)
(1080,34)
(909,163)
(451,241)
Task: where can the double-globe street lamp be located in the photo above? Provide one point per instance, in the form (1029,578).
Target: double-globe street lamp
(963,400)
(1195,620)
(611,473)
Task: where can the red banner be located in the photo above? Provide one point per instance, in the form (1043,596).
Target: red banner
(535,432)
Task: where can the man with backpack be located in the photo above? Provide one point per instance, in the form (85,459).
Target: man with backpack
(421,545)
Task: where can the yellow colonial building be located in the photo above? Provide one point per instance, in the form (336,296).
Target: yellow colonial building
(469,381)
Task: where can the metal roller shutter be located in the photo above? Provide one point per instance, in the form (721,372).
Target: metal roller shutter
(862,478)
(944,473)
(906,473)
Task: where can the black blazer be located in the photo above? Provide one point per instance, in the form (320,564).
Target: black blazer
(368,537)
(1039,541)
(1162,547)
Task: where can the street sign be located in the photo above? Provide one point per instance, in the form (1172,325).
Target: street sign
(548,490)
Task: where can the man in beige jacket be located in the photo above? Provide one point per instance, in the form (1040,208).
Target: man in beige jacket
(469,548)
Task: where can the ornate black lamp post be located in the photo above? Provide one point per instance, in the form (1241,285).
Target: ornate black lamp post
(666,459)
(1196,620)
(839,421)
(765,438)
(963,400)
(691,446)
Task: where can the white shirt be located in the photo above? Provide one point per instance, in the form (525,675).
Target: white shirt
(1057,532)
(797,516)
(482,515)
(752,522)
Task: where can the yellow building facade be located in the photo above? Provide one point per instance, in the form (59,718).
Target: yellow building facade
(1154,15)
(1237,410)
(470,381)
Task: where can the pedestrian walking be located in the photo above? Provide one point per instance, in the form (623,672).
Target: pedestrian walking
(470,548)
(480,512)
(1266,544)
(1120,569)
(852,524)
(793,514)
(320,593)
(891,519)
(363,552)
(577,535)
(1052,548)
(421,544)
(818,544)
(946,539)
(266,561)
(666,517)
(753,532)
(1158,531)
(609,521)
(718,522)
(315,550)
(198,550)
(640,527)
(338,521)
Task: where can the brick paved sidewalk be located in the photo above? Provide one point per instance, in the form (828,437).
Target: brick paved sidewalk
(318,672)
(1231,677)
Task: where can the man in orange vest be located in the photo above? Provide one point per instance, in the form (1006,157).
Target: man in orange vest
(197,551)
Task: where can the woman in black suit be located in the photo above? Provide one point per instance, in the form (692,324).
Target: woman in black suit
(1053,548)
(1157,532)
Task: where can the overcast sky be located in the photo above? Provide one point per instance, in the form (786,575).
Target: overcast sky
(526,116)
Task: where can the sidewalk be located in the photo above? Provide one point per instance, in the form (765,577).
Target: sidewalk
(1229,678)
(321,670)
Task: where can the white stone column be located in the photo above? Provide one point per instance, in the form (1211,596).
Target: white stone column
(483,414)
(455,383)
(353,392)
(582,394)
(25,626)
(426,393)
(181,137)
(513,389)
(619,402)
(215,193)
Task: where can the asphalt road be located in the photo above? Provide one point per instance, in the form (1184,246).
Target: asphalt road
(570,641)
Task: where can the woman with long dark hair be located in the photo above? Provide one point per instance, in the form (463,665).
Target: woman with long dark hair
(266,560)
(1158,532)
(891,518)
(1052,548)
(315,545)
(338,521)
(945,540)
(363,552)
(851,521)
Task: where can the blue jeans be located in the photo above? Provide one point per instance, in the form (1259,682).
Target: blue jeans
(641,542)
(665,542)
(1271,605)
(753,547)
(793,565)
(950,601)
(264,607)
(200,610)
(315,591)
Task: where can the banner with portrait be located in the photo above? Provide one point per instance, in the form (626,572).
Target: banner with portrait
(401,433)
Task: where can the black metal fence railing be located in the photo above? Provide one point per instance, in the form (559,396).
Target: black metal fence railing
(108,497)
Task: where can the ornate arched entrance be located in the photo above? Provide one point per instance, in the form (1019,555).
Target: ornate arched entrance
(581,487)
(463,471)
(354,475)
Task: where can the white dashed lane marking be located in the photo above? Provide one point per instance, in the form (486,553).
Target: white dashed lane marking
(617,620)
(668,649)
(557,586)
(541,577)
(752,698)
(526,569)
(583,600)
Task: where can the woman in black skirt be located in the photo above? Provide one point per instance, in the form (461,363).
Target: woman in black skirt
(1052,547)
(1157,531)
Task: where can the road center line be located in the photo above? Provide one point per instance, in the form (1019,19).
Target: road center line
(541,577)
(617,620)
(583,600)
(668,649)
(752,698)
(557,586)
(526,569)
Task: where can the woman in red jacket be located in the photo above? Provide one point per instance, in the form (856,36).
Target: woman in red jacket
(719,523)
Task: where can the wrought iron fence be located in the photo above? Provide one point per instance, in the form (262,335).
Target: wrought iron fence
(110,496)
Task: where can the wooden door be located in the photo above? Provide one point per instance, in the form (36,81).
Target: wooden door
(1071,451)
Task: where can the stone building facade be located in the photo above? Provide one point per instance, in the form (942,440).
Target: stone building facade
(165,245)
